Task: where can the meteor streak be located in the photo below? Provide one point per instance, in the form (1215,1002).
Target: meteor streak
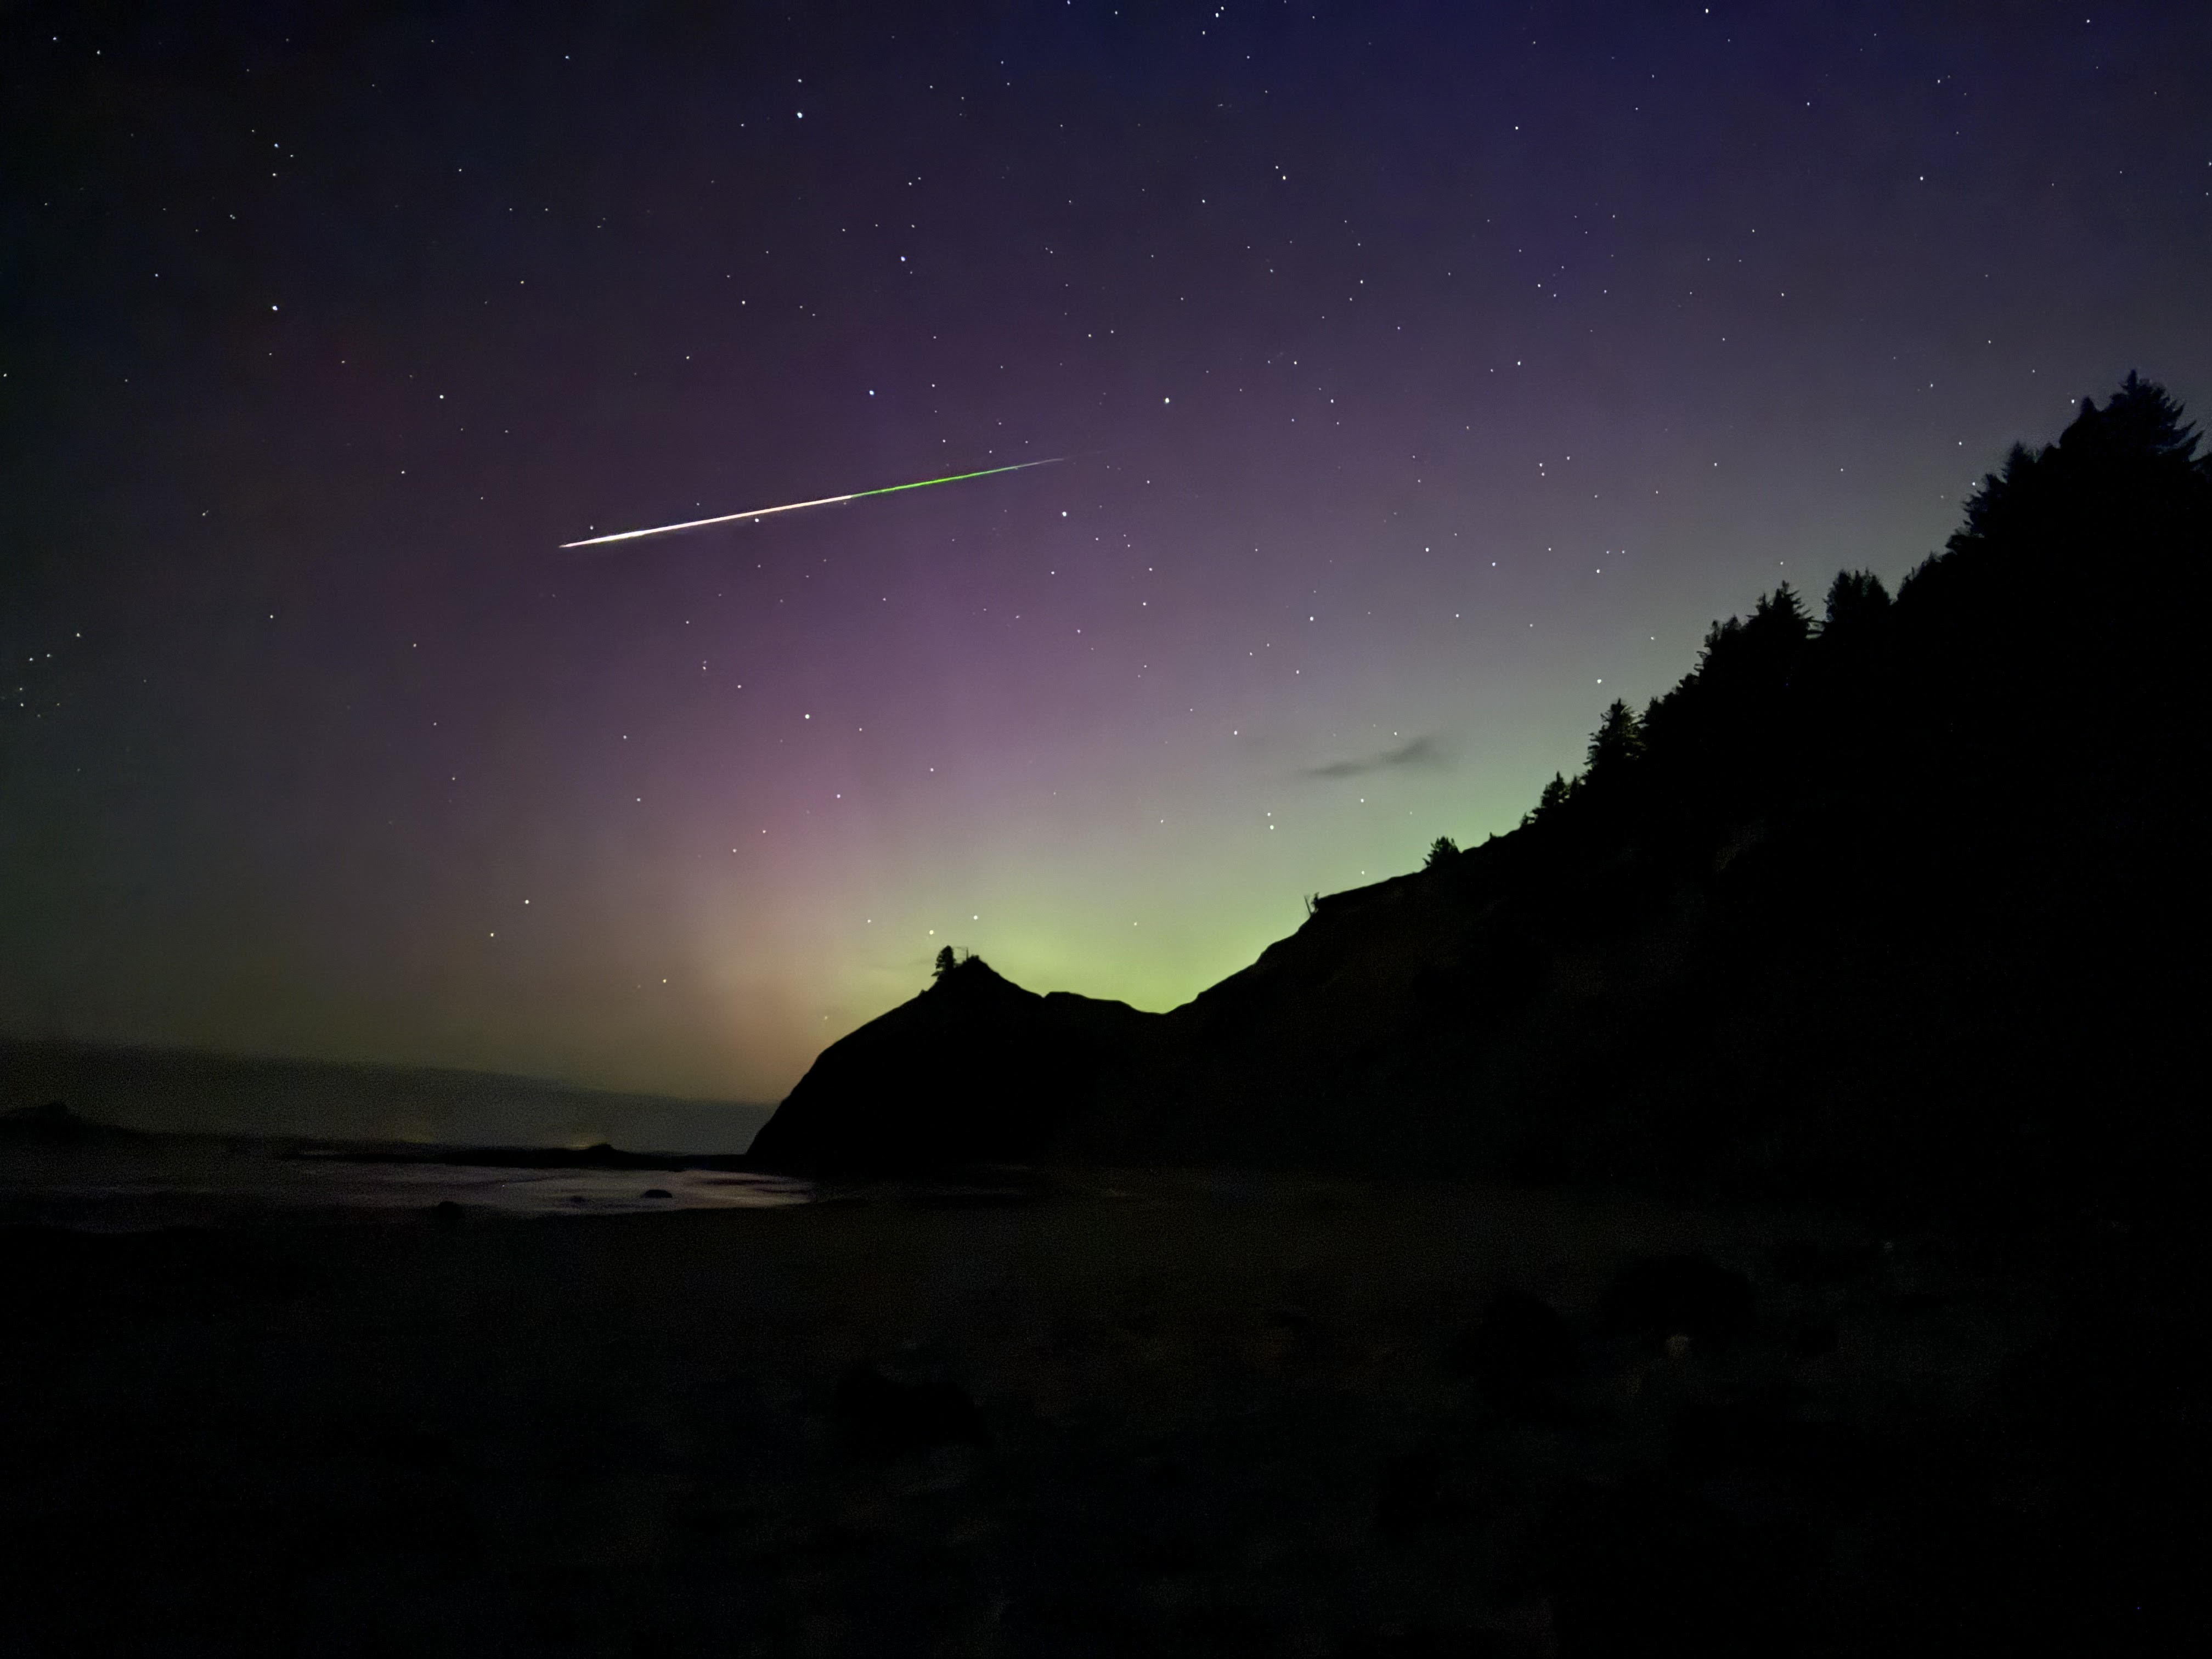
(793,506)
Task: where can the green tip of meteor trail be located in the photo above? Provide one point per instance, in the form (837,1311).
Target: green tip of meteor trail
(793,506)
(924,483)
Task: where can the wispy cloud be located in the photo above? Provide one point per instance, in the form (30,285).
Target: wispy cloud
(1417,751)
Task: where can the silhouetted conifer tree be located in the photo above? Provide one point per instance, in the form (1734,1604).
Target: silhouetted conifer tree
(1994,494)
(1778,627)
(1856,601)
(1442,848)
(2080,565)
(2140,420)
(1617,740)
(2116,473)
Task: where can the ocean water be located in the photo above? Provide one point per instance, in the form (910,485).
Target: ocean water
(134,1185)
(181,1092)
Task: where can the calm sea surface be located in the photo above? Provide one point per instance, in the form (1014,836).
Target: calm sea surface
(130,1186)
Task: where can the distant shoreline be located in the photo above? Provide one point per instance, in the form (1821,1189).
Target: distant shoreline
(185,1092)
(600,1156)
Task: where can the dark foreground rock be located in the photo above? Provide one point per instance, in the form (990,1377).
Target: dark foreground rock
(55,1281)
(1522,1355)
(886,1417)
(1686,1296)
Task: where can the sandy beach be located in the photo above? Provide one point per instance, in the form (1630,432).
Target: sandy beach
(1148,1413)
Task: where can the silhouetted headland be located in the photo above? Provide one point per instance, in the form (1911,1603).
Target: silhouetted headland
(974,1070)
(1882,905)
(51,1123)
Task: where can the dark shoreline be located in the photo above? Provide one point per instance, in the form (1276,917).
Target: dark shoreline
(599,1157)
(1055,1412)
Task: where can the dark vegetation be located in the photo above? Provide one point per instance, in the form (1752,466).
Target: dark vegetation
(1884,905)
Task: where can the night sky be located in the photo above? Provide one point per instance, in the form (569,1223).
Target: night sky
(1427,376)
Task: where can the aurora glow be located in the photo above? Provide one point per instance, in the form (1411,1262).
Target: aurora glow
(1427,376)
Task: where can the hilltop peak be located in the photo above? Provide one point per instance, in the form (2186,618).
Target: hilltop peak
(969,978)
(973,1068)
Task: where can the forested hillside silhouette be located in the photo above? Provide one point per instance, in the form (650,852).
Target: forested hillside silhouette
(1928,862)
(1891,904)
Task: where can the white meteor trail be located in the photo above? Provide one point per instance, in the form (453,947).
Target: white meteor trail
(793,506)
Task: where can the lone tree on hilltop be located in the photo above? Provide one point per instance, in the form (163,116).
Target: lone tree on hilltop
(1442,848)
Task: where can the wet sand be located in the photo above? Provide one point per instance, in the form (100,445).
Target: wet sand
(1148,1414)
